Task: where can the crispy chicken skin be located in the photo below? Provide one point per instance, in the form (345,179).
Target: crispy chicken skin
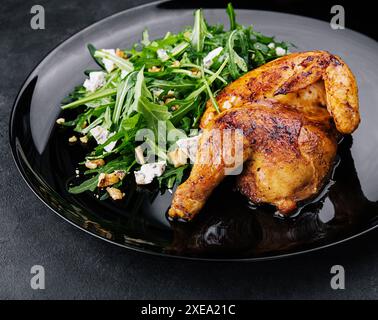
(305,81)
(290,112)
(289,157)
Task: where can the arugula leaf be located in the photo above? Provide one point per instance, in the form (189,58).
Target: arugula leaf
(173,176)
(231,15)
(148,91)
(124,163)
(236,62)
(87,185)
(139,90)
(91,97)
(122,90)
(92,49)
(153,114)
(119,62)
(200,31)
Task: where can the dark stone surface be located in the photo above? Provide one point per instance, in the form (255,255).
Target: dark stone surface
(79,266)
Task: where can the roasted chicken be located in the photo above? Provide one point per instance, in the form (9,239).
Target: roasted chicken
(288,115)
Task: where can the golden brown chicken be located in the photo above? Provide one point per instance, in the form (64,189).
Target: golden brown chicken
(305,81)
(282,112)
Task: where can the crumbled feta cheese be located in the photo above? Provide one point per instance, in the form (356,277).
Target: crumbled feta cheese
(110,146)
(271,45)
(157,92)
(280,51)
(209,59)
(96,80)
(149,171)
(233,99)
(109,65)
(189,146)
(101,135)
(162,54)
(227,105)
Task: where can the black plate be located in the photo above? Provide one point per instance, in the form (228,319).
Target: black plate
(227,228)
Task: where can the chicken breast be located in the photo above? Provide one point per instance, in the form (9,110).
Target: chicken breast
(288,154)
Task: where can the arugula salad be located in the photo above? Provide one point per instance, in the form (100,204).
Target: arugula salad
(161,85)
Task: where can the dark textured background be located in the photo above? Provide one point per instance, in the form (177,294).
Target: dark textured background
(79,266)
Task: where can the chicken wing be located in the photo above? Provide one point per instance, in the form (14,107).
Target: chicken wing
(305,81)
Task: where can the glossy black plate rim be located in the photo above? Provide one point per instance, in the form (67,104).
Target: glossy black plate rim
(58,211)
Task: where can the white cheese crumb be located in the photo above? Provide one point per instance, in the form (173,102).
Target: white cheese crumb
(271,45)
(111,145)
(227,105)
(149,171)
(209,59)
(109,65)
(101,135)
(189,146)
(162,54)
(157,92)
(280,51)
(96,80)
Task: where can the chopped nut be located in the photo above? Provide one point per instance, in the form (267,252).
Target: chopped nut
(168,100)
(93,164)
(139,155)
(60,121)
(175,64)
(84,139)
(170,94)
(120,53)
(154,69)
(115,193)
(196,72)
(120,174)
(73,139)
(177,157)
(106,180)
